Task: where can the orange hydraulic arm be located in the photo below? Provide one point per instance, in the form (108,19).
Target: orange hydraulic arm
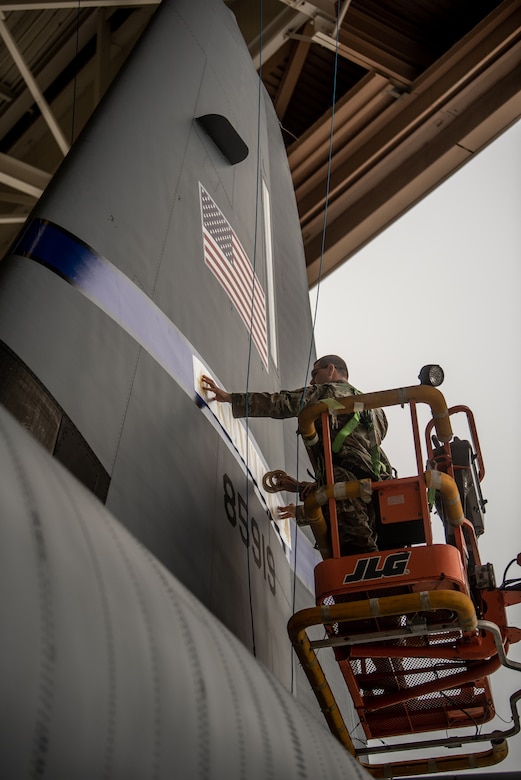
(403,621)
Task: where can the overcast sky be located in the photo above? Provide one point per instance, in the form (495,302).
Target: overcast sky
(443,285)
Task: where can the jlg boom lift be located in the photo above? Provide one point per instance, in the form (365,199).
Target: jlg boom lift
(416,628)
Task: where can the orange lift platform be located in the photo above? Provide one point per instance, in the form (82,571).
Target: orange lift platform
(417,628)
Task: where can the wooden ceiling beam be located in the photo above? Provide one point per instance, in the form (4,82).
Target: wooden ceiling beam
(460,73)
(368,56)
(360,107)
(367,208)
(292,73)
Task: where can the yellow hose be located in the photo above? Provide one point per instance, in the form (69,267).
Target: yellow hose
(402,395)
(318,525)
(383,607)
(497,752)
(317,679)
(313,516)
(361,610)
(276,481)
(312,513)
(340,490)
(449,490)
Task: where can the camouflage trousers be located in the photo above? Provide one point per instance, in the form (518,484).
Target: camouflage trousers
(356,520)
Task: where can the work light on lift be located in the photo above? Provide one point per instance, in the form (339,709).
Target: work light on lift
(431,375)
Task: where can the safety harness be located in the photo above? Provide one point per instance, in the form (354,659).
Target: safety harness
(366,417)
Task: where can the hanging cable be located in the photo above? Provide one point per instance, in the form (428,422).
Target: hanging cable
(340,17)
(250,338)
(328,178)
(505,581)
(74,83)
(328,186)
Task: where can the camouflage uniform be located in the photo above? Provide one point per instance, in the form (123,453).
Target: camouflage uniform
(356,519)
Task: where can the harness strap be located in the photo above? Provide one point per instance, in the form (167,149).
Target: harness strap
(376,460)
(344,432)
(350,426)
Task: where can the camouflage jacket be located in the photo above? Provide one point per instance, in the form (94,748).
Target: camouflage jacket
(355,452)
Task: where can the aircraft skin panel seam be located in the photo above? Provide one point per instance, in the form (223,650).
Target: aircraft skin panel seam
(150,642)
(47,628)
(101,585)
(196,668)
(126,408)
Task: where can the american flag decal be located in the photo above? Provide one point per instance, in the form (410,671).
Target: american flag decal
(225,257)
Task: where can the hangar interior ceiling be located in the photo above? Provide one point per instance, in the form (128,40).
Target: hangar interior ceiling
(420,88)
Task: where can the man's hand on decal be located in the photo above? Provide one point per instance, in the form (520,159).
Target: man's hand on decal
(221,395)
